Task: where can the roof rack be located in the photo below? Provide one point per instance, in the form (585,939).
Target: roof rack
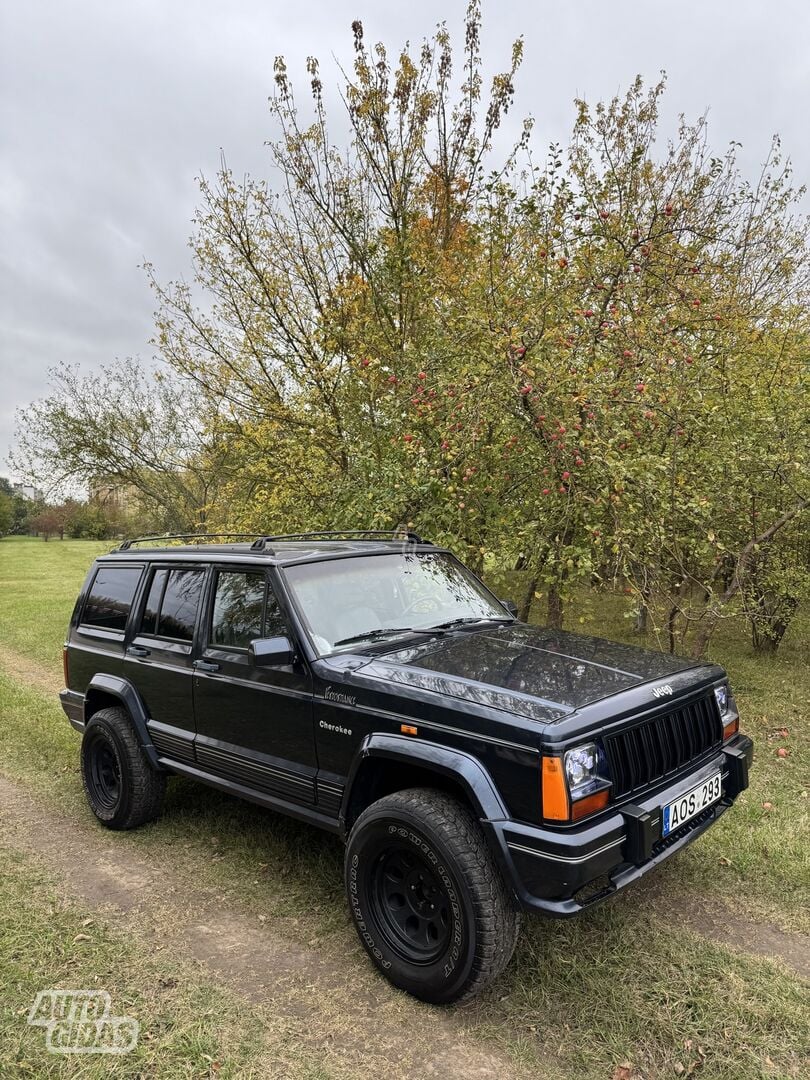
(260,542)
(127,544)
(354,534)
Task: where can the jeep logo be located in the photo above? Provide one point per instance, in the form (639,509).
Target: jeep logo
(664,690)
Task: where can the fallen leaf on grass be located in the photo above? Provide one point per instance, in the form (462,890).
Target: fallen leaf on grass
(82,937)
(624,1071)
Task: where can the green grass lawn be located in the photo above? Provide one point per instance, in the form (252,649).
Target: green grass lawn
(623,982)
(187,1022)
(38,586)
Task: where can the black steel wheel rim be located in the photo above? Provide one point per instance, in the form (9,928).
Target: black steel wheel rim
(411,905)
(104,773)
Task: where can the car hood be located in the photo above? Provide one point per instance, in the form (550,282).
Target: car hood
(532,671)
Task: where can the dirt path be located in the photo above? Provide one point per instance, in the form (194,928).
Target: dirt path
(743,935)
(700,915)
(29,672)
(343,1003)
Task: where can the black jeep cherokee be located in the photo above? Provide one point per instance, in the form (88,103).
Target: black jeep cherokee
(373,686)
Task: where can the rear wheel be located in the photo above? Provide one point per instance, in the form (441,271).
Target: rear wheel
(122,788)
(428,901)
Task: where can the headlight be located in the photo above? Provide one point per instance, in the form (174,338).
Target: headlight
(721,694)
(583,766)
(575,785)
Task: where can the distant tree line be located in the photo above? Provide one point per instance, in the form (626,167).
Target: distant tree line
(15,509)
(72,518)
(591,368)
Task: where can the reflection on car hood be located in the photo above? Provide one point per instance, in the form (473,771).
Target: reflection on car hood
(531,671)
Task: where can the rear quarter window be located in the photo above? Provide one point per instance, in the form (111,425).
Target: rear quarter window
(110,597)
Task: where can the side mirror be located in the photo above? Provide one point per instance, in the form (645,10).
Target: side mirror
(511,607)
(271,652)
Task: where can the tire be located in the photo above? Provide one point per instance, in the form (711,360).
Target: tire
(122,788)
(427,899)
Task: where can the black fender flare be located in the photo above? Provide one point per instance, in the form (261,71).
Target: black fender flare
(459,765)
(113,686)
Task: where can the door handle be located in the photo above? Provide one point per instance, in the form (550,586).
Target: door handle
(205,665)
(137,650)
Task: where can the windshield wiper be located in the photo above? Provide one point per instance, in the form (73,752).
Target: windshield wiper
(468,620)
(386,631)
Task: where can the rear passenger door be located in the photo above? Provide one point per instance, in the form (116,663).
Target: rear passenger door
(159,655)
(254,724)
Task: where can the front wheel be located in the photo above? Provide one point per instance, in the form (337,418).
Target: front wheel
(428,901)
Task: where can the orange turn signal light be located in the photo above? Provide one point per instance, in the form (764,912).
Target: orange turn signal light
(408,729)
(555,790)
(590,804)
(731,728)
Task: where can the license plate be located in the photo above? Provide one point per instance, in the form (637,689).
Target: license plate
(687,806)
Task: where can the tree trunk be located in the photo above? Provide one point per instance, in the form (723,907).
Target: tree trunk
(673,615)
(555,608)
(764,645)
(740,569)
(528,596)
(766,641)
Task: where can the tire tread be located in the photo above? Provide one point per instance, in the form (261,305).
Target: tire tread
(147,787)
(497,918)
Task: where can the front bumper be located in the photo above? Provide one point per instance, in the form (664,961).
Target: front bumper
(562,871)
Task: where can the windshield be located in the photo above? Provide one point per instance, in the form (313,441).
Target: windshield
(372,597)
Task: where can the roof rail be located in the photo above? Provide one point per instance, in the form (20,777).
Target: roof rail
(127,544)
(260,541)
(354,534)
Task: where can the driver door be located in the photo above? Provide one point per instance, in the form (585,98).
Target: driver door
(254,724)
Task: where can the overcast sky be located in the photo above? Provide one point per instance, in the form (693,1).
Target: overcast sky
(110,109)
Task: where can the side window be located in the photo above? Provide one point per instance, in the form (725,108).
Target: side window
(171,604)
(110,597)
(238,615)
(181,598)
(244,609)
(149,619)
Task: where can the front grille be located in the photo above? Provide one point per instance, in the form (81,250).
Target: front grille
(641,755)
